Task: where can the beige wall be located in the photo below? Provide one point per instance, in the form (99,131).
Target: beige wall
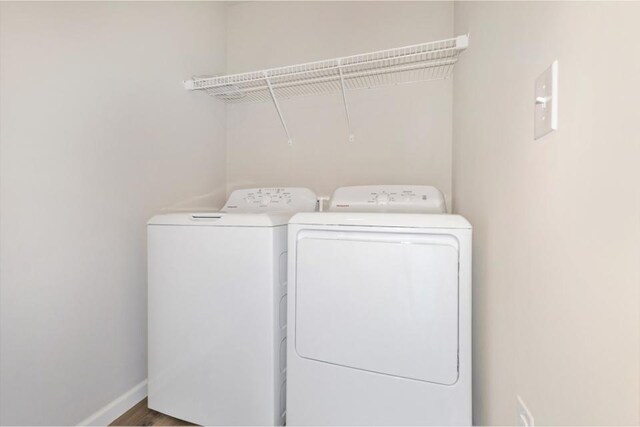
(403,134)
(556,221)
(97,135)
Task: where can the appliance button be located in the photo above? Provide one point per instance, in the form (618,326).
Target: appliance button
(382,199)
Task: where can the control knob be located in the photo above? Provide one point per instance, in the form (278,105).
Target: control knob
(382,199)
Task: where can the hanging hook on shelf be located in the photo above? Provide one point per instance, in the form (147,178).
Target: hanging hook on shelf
(275,103)
(344,100)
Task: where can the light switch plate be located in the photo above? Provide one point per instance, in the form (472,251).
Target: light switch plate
(546,101)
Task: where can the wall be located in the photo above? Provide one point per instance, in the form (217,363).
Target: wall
(403,133)
(97,134)
(556,221)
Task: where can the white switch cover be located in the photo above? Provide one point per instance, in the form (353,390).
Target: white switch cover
(525,419)
(546,101)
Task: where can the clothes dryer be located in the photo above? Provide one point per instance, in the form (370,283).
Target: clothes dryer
(380,311)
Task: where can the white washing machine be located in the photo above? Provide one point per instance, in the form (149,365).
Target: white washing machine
(217,309)
(380,311)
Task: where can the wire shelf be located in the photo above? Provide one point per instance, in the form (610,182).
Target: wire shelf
(421,62)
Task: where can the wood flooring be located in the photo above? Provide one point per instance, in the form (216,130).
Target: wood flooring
(141,415)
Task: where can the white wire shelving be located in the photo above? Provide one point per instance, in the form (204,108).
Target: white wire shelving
(420,62)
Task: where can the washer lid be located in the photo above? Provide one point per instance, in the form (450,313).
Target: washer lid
(221,219)
(368,219)
(251,207)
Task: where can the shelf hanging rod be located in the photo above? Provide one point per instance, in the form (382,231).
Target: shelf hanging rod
(275,103)
(344,100)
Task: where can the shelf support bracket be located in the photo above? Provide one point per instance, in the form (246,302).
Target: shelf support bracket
(344,101)
(275,103)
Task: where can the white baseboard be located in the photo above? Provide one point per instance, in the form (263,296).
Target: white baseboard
(109,413)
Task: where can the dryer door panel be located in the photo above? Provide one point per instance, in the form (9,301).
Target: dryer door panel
(380,302)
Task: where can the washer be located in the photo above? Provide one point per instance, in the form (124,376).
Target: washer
(217,309)
(380,311)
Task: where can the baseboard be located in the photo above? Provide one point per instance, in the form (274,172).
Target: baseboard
(109,413)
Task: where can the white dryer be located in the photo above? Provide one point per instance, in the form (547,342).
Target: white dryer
(380,311)
(217,309)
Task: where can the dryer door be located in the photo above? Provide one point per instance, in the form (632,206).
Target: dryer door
(380,302)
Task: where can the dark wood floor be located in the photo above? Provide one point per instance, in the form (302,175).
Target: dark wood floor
(141,415)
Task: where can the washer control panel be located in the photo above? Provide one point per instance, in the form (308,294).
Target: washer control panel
(276,199)
(388,198)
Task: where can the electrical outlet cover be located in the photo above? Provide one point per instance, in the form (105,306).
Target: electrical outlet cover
(525,419)
(546,101)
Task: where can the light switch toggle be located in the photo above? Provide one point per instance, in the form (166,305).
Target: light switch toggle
(542,100)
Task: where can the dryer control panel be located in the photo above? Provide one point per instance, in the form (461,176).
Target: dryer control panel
(275,199)
(388,198)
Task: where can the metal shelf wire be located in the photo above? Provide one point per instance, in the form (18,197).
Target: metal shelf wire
(420,62)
